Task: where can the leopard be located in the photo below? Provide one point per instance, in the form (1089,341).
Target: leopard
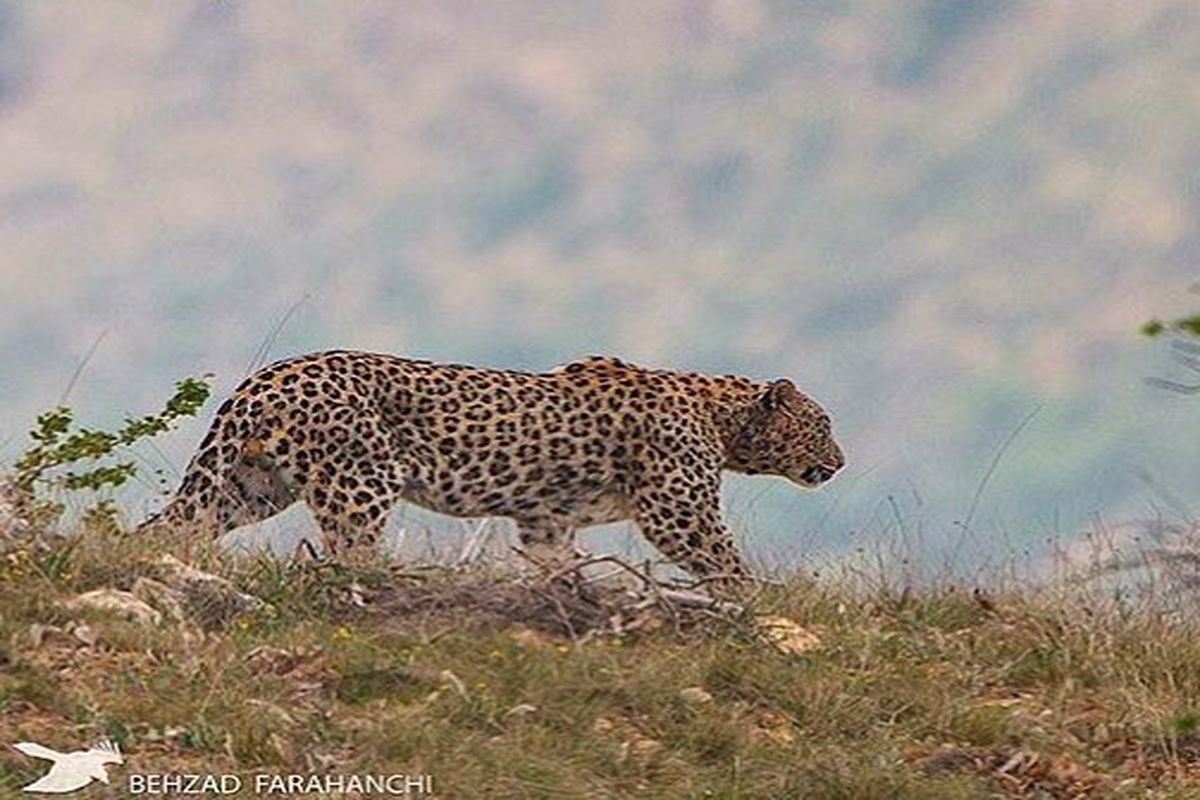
(593,441)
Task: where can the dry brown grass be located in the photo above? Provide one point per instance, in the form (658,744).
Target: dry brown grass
(474,677)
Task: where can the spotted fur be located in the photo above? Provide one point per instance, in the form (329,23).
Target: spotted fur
(594,441)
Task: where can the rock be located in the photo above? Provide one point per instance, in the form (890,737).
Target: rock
(644,747)
(695,696)
(209,599)
(177,592)
(85,634)
(161,596)
(786,635)
(117,603)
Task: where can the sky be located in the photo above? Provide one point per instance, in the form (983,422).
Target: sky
(945,220)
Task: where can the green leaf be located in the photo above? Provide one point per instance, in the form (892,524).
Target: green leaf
(1153,328)
(55,445)
(1189,325)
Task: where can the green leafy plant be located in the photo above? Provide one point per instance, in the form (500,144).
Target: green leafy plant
(84,459)
(1189,326)
(1182,332)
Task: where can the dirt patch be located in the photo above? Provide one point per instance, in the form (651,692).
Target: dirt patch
(1019,773)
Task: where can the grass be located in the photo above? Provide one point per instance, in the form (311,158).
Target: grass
(924,694)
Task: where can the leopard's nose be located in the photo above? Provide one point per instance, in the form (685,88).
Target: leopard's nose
(818,474)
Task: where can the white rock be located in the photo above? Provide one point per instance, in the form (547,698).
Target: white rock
(117,603)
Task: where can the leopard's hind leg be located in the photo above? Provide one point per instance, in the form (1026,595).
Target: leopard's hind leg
(213,502)
(361,474)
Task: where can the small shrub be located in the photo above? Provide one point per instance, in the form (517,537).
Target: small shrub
(1185,325)
(64,460)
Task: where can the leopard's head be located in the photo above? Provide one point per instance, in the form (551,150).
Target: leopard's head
(787,433)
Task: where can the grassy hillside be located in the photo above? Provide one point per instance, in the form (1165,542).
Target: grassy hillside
(901,694)
(935,215)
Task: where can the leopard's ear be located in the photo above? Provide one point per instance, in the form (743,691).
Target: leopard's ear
(779,394)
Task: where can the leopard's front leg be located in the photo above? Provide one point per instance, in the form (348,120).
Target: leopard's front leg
(679,512)
(547,544)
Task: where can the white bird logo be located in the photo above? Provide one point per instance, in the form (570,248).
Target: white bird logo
(74,770)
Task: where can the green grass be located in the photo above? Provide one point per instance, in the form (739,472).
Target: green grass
(929,694)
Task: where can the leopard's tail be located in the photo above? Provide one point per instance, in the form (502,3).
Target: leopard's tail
(204,480)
